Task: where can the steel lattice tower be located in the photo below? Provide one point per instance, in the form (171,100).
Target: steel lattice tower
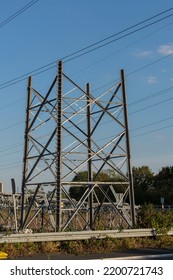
(68,131)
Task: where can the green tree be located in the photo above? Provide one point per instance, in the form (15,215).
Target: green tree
(163,184)
(77,192)
(143,179)
(104,176)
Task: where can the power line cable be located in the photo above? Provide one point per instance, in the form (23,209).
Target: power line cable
(149,64)
(142,100)
(11,163)
(7,148)
(101,139)
(12,103)
(135,71)
(136,102)
(10,167)
(17,13)
(122,49)
(151,106)
(7,154)
(23,77)
(138,128)
(117,39)
(163,91)
(78,53)
(151,131)
(153,123)
(144,133)
(133,103)
(131,72)
(120,32)
(10,126)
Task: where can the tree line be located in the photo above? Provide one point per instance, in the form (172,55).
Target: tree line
(148,187)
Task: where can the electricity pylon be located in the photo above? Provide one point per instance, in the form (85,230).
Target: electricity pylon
(69,132)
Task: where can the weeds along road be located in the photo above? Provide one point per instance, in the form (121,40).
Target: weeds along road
(145,254)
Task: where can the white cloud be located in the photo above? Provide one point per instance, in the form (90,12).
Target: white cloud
(162,49)
(143,53)
(166,49)
(160,137)
(152,80)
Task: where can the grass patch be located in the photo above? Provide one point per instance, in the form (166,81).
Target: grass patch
(83,247)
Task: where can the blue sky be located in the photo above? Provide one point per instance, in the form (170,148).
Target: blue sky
(52,29)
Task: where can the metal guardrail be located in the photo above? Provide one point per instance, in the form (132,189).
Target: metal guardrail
(80,235)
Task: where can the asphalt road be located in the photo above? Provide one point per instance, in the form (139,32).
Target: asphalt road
(145,254)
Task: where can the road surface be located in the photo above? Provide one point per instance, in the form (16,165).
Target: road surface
(145,254)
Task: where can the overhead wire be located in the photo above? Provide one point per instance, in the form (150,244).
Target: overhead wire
(134,136)
(32,72)
(117,39)
(144,126)
(12,125)
(8,147)
(134,71)
(130,104)
(10,167)
(86,50)
(163,91)
(141,100)
(151,131)
(120,32)
(149,64)
(121,49)
(153,123)
(151,106)
(11,104)
(17,13)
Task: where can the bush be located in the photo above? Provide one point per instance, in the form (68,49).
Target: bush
(159,220)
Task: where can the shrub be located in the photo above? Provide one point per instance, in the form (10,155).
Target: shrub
(159,220)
